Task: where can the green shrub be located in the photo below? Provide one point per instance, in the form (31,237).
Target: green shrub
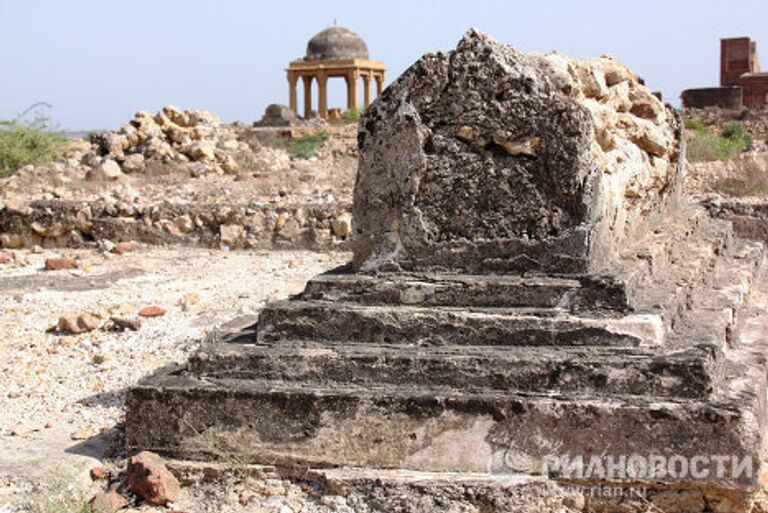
(30,138)
(307,145)
(735,133)
(352,116)
(706,146)
(695,124)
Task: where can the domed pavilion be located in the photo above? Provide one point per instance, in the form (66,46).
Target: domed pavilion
(334,52)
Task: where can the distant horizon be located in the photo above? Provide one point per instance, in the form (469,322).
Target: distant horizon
(97,64)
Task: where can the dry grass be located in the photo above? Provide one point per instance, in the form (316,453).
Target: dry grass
(706,146)
(753,181)
(61,493)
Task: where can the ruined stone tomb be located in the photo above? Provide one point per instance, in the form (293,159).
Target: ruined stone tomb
(529,286)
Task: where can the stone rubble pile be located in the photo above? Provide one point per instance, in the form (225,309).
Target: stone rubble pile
(193,139)
(144,183)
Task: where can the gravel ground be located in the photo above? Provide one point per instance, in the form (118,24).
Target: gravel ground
(61,396)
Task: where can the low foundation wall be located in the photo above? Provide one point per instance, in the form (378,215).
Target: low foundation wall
(748,216)
(56,223)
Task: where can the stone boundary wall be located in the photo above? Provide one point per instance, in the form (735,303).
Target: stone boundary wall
(57,223)
(748,216)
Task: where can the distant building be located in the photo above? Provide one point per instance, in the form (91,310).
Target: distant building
(741,82)
(334,52)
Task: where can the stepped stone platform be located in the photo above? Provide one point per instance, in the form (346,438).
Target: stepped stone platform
(533,311)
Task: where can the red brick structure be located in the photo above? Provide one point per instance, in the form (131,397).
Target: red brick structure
(741,82)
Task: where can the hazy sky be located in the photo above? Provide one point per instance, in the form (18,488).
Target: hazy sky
(99,61)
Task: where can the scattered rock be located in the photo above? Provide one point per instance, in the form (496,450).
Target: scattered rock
(231,234)
(99,358)
(123,247)
(124,323)
(278,115)
(342,225)
(152,311)
(108,502)
(148,477)
(198,169)
(59,264)
(134,163)
(185,224)
(82,434)
(7,257)
(99,473)
(106,245)
(107,170)
(203,151)
(188,301)
(21,430)
(11,241)
(76,324)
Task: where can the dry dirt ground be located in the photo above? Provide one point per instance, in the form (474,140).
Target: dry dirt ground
(61,396)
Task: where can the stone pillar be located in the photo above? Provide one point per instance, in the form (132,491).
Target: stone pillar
(307,95)
(366,90)
(322,89)
(292,78)
(351,90)
(379,84)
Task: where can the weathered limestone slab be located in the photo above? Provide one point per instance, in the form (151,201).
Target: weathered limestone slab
(467,290)
(348,322)
(584,371)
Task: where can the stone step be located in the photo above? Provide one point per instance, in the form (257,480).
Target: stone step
(401,490)
(581,294)
(594,371)
(401,427)
(412,491)
(354,323)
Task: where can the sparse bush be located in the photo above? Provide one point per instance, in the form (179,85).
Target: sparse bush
(30,138)
(695,124)
(352,116)
(736,134)
(706,146)
(307,145)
